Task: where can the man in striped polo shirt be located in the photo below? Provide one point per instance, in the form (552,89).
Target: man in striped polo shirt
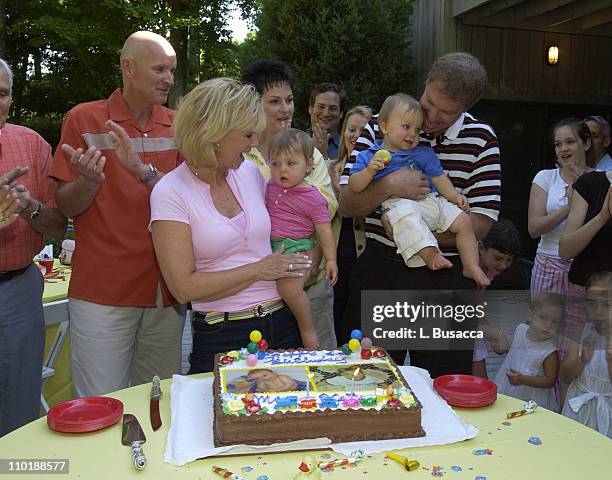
(469,153)
(125,326)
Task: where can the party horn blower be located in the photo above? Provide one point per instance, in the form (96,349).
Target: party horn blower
(225,473)
(408,464)
(352,459)
(528,407)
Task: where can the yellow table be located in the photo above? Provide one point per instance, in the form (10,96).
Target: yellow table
(568,450)
(57,289)
(55,306)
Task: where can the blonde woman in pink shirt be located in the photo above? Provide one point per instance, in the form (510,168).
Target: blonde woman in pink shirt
(211,229)
(298,210)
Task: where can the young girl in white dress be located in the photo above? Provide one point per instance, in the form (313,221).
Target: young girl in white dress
(530,369)
(588,364)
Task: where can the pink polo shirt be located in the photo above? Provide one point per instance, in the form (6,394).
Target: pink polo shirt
(294,212)
(220,243)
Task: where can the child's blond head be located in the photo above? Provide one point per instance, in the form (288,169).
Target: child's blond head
(292,140)
(399,99)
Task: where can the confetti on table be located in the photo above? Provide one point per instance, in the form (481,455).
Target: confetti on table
(456,468)
(485,451)
(247,469)
(325,455)
(507,424)
(535,440)
(436,471)
(262,477)
(480,478)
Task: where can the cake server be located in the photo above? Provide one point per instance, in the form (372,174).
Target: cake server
(133,436)
(154,404)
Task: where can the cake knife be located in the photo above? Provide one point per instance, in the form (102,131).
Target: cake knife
(154,404)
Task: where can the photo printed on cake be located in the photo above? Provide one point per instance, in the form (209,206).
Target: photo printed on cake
(360,377)
(260,380)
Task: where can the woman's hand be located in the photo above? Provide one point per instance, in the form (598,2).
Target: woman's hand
(278,265)
(310,341)
(334,171)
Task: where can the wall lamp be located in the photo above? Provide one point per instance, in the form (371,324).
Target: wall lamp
(553,55)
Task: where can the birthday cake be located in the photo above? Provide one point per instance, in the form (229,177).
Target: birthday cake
(283,396)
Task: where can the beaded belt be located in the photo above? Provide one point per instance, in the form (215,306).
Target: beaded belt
(257,311)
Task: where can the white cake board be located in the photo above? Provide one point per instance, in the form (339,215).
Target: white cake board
(191,430)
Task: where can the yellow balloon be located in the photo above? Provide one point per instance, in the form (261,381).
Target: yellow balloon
(354,344)
(255,336)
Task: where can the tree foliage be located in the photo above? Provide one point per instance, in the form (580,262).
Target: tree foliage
(365,46)
(64,52)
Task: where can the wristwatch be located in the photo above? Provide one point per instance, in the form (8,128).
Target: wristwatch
(34,214)
(151,175)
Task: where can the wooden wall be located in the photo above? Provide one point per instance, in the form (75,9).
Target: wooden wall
(515,59)
(433,33)
(517,68)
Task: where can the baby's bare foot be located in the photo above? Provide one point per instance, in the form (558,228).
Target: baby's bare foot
(434,259)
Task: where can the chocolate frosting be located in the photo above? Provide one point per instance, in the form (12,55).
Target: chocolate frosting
(338,425)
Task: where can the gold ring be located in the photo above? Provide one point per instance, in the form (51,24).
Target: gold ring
(290,267)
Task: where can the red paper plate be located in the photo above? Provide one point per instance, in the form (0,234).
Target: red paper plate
(466,391)
(85,414)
